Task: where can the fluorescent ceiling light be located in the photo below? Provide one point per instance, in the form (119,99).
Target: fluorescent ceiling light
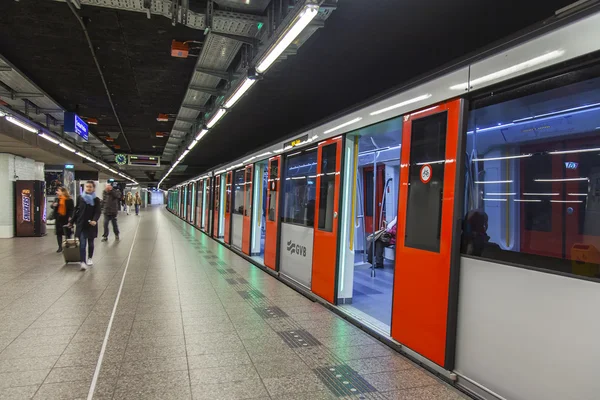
(484,182)
(2,114)
(557,112)
(578,194)
(21,124)
(501,194)
(402,104)
(201,134)
(510,70)
(64,146)
(48,138)
(355,120)
(305,17)
(566,201)
(528,200)
(540,194)
(241,90)
(502,158)
(215,118)
(561,180)
(491,128)
(263,154)
(574,151)
(425,110)
(431,162)
(494,199)
(193,144)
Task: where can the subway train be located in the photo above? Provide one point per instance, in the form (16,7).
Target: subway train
(456,218)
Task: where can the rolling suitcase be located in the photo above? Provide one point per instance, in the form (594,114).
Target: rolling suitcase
(70,247)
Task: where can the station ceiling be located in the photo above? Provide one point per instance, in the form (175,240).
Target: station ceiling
(364,49)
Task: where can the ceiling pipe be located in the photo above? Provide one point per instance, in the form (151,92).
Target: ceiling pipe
(89,41)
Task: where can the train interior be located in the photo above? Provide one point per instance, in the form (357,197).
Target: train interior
(369,265)
(259,211)
(533,180)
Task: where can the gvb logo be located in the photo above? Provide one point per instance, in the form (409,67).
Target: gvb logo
(294,248)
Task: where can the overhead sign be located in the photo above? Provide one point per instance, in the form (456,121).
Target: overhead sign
(296,142)
(426,173)
(69,166)
(74,124)
(148,161)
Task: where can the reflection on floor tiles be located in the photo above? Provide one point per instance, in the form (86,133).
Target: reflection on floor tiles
(193,321)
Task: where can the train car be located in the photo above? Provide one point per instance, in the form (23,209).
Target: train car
(457,218)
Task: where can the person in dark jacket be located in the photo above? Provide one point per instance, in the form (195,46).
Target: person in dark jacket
(85,217)
(63,210)
(110,203)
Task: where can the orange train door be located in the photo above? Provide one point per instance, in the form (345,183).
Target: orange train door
(215,231)
(247,217)
(329,165)
(227,227)
(425,228)
(272,224)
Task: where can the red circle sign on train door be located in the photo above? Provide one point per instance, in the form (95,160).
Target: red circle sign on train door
(425,174)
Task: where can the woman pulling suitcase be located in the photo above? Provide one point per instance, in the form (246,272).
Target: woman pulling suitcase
(86,216)
(63,210)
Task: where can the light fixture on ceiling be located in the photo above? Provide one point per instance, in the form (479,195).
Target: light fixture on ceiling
(345,124)
(48,138)
(486,182)
(501,158)
(216,117)
(201,134)
(2,114)
(21,124)
(402,104)
(510,70)
(244,87)
(309,12)
(193,144)
(574,151)
(561,180)
(66,147)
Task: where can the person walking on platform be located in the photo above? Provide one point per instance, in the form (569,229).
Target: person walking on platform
(110,205)
(138,202)
(63,209)
(85,216)
(128,201)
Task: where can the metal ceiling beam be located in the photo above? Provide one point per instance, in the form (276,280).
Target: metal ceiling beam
(222,21)
(195,107)
(207,90)
(219,74)
(5,68)
(21,95)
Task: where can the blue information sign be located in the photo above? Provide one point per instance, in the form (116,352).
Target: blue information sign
(74,124)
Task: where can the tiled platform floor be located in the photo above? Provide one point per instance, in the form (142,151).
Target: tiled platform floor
(193,321)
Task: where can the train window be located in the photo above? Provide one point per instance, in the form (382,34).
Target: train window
(426,182)
(248,191)
(299,192)
(327,187)
(273,186)
(238,192)
(228,193)
(533,179)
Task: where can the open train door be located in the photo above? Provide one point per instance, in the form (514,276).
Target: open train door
(208,222)
(247,217)
(227,227)
(325,244)
(425,227)
(272,223)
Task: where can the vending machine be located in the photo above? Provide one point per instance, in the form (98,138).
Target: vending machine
(31,209)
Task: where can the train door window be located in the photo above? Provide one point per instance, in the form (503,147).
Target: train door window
(298,216)
(248,192)
(327,187)
(369,205)
(533,175)
(426,182)
(273,184)
(259,211)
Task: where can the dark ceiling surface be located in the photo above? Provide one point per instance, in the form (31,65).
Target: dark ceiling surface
(45,41)
(365,48)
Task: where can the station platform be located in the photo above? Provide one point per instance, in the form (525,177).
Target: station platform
(168,313)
